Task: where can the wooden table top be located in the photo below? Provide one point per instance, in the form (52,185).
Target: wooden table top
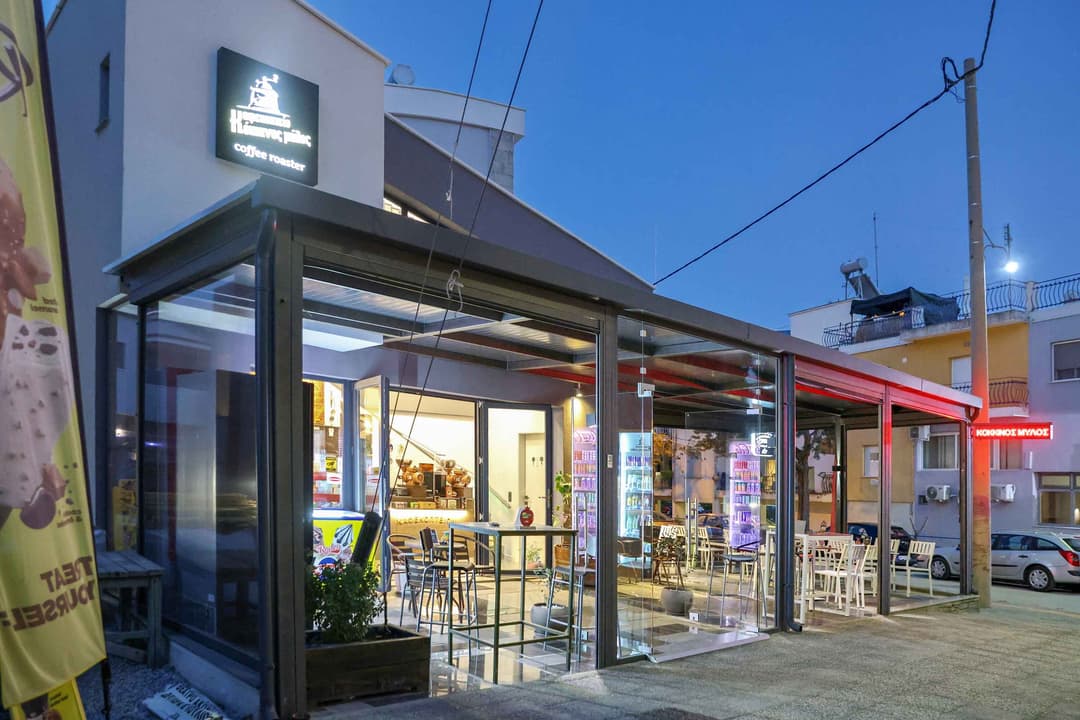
(125,563)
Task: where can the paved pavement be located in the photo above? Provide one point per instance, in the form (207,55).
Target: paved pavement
(1004,663)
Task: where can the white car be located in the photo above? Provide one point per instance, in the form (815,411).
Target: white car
(1040,559)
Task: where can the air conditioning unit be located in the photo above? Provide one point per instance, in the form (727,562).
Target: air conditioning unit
(938,493)
(920,432)
(1003,493)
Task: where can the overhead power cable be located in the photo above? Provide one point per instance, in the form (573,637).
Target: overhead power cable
(950,81)
(454,285)
(438,221)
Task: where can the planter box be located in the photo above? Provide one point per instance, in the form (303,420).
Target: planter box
(399,662)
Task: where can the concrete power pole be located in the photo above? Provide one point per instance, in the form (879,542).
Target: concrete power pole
(980,371)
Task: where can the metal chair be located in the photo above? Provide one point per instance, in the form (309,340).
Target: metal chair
(743,558)
(585,566)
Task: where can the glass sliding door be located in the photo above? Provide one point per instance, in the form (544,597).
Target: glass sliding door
(515,467)
(372,460)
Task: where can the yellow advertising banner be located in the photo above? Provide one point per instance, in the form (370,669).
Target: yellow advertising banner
(50,615)
(63,703)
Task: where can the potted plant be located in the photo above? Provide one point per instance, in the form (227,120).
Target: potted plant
(564,486)
(348,656)
(675,598)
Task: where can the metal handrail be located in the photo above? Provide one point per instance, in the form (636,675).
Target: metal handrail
(1004,296)
(1004,391)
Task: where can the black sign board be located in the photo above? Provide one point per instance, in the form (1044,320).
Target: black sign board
(267,120)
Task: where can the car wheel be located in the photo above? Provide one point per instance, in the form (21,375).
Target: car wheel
(939,568)
(1039,578)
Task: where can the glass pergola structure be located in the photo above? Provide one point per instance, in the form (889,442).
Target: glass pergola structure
(280,281)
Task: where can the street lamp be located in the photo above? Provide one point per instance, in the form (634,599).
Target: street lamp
(1010,266)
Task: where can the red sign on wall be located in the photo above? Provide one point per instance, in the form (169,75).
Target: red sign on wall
(1014,431)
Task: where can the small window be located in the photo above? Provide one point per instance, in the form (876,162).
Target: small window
(103,94)
(939,452)
(871,461)
(391,207)
(1007,455)
(1067,360)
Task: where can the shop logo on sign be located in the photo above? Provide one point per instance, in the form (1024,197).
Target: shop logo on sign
(15,72)
(267,119)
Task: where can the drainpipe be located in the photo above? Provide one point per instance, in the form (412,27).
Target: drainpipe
(263,351)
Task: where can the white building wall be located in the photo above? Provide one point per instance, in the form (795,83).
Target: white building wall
(810,324)
(170,169)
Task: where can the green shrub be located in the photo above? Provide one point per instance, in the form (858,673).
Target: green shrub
(342,601)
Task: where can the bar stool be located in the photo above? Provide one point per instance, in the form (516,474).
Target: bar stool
(560,575)
(744,559)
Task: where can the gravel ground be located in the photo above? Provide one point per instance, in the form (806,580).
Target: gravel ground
(131,684)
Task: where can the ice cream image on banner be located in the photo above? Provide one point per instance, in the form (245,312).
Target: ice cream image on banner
(36,399)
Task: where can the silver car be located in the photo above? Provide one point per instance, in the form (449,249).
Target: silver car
(1039,558)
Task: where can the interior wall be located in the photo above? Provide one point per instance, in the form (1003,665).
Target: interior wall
(452,436)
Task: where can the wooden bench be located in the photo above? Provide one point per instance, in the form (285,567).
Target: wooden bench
(120,576)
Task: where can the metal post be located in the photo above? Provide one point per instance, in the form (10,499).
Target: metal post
(964,444)
(980,383)
(607,491)
(785,520)
(885,503)
(840,486)
(278,366)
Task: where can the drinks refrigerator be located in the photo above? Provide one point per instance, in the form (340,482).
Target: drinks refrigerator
(744,493)
(635,483)
(583,475)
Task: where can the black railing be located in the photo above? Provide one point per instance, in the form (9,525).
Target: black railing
(1057,291)
(1001,297)
(1006,391)
(875,328)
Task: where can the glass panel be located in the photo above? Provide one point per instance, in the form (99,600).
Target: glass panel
(1074,543)
(697,471)
(199,485)
(516,474)
(1055,481)
(120,441)
(939,452)
(1059,508)
(530,371)
(369,441)
(328,445)
(1010,454)
(1067,360)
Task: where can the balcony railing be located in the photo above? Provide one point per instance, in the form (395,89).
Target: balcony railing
(1000,297)
(1005,296)
(1003,392)
(1058,291)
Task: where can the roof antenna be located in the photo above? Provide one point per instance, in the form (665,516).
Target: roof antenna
(877,272)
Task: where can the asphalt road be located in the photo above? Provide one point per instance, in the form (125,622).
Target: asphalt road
(1063,600)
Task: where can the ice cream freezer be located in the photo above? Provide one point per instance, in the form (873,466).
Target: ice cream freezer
(334,534)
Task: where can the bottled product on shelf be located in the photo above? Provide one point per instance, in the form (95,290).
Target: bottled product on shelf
(583,474)
(635,483)
(744,489)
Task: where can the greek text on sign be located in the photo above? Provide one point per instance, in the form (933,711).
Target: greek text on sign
(1014,431)
(267,119)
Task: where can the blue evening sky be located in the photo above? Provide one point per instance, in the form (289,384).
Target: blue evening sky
(655,129)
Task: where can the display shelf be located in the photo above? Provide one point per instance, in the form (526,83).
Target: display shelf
(744,495)
(635,483)
(583,477)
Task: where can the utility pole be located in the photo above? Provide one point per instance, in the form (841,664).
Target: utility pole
(980,371)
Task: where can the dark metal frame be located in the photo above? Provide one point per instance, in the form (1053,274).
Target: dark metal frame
(289,228)
(483,452)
